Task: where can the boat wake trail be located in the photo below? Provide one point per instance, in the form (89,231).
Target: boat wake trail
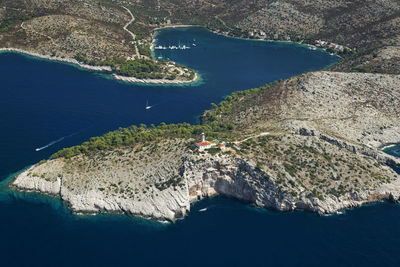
(50,144)
(56,141)
(147,107)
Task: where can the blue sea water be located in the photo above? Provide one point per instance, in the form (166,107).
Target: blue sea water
(394,151)
(50,105)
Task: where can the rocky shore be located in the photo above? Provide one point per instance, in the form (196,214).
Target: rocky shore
(202,176)
(326,129)
(154,81)
(100,68)
(59,59)
(320,152)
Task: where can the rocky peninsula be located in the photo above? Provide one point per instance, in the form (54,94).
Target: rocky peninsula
(59,59)
(78,40)
(311,142)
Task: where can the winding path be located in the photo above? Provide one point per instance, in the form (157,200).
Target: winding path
(128,31)
(39,33)
(251,137)
(129,23)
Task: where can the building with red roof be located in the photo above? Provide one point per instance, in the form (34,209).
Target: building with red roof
(203,144)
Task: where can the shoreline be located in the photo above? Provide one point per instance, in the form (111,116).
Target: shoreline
(46,197)
(177,26)
(55,58)
(305,45)
(34,193)
(155,81)
(20,182)
(155,30)
(386,146)
(135,80)
(106,69)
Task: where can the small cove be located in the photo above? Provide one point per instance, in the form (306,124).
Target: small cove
(393,150)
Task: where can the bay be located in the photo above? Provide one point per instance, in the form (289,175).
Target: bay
(50,105)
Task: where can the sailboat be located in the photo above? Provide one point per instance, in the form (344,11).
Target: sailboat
(147,105)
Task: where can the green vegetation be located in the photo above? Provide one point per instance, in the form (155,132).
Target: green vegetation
(140,68)
(130,136)
(124,137)
(290,169)
(316,194)
(217,24)
(144,50)
(5,24)
(238,100)
(361,69)
(174,182)
(81,58)
(213,150)
(142,29)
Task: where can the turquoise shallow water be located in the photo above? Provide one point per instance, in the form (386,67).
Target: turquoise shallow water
(41,102)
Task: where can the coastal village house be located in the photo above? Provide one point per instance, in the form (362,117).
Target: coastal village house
(221,146)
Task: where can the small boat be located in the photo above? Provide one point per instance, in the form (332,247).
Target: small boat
(202,210)
(147,105)
(194,44)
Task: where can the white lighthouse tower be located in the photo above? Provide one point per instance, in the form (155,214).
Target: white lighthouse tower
(203,144)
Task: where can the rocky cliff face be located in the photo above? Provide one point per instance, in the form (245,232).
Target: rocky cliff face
(313,143)
(85,194)
(202,176)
